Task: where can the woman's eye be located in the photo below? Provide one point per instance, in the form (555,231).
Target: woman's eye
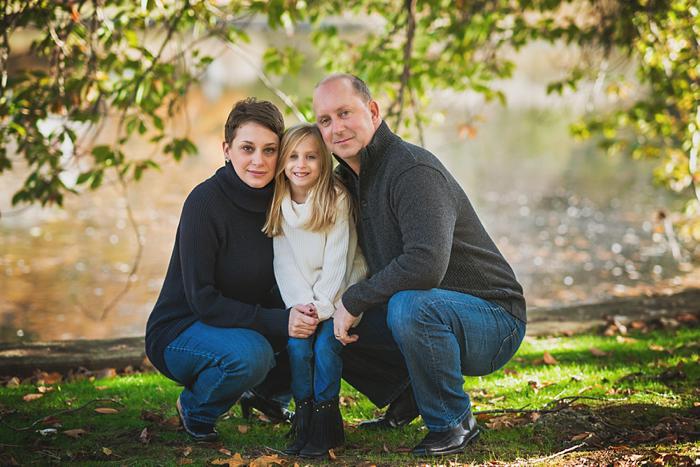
(248,148)
(271,150)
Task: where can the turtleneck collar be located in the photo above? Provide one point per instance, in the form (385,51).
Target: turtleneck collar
(374,152)
(241,194)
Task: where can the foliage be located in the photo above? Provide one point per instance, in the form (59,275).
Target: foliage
(131,63)
(624,395)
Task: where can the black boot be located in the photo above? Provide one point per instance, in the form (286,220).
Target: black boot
(402,411)
(326,429)
(271,409)
(300,427)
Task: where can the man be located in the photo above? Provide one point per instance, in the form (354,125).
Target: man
(438,284)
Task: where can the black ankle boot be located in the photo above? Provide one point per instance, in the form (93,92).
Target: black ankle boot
(402,411)
(300,427)
(271,409)
(326,429)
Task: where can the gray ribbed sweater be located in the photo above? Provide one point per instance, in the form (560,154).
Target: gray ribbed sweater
(418,230)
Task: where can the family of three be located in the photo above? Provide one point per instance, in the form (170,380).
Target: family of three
(287,276)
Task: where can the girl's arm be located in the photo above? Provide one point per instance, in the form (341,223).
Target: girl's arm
(293,287)
(335,259)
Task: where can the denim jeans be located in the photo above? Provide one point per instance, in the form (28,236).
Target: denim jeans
(316,364)
(216,365)
(373,364)
(444,335)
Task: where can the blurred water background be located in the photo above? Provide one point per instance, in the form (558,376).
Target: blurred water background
(576,225)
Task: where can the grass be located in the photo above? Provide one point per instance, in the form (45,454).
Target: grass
(634,396)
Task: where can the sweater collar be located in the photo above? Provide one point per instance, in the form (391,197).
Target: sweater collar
(376,150)
(239,193)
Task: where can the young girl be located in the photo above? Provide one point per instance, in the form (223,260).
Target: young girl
(316,258)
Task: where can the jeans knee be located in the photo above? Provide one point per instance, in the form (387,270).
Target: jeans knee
(253,367)
(402,313)
(300,349)
(327,343)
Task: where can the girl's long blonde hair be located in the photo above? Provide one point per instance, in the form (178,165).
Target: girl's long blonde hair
(323,196)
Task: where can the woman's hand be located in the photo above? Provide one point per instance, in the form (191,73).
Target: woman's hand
(302,322)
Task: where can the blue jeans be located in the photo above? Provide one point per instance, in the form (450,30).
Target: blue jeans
(316,364)
(216,365)
(444,335)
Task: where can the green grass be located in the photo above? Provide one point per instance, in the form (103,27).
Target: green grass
(639,385)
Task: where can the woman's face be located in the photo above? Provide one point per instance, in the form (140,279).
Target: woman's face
(253,154)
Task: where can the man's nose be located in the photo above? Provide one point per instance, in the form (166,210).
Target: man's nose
(337,126)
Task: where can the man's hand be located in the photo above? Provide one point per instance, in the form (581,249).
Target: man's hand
(302,322)
(342,322)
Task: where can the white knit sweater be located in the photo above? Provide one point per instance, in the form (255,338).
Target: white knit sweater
(316,267)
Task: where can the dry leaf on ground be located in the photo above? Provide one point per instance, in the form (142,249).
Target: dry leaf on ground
(106,410)
(75,433)
(235,461)
(31,397)
(107,451)
(243,429)
(266,461)
(596,352)
(548,359)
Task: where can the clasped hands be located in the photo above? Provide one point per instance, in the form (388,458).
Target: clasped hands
(303,320)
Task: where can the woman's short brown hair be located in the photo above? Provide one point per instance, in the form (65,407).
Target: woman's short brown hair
(264,113)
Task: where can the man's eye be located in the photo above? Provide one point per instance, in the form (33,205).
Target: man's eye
(324,122)
(344,113)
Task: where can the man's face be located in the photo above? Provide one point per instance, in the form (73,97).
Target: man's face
(347,123)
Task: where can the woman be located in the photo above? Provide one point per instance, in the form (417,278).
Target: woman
(219,320)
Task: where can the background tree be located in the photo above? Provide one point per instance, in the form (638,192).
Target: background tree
(95,65)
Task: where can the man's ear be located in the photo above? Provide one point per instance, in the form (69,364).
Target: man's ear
(374,110)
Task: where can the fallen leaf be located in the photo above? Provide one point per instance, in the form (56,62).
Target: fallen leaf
(13,382)
(32,397)
(184,461)
(581,436)
(145,436)
(331,454)
(687,318)
(243,429)
(509,372)
(656,348)
(45,389)
(625,340)
(225,452)
(173,421)
(101,388)
(266,461)
(548,359)
(534,416)
(106,373)
(235,461)
(151,416)
(107,451)
(75,433)
(187,451)
(596,352)
(106,410)
(49,378)
(385,449)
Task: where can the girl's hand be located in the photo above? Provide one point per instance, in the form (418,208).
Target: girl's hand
(301,324)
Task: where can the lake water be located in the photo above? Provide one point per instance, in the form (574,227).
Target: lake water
(577,225)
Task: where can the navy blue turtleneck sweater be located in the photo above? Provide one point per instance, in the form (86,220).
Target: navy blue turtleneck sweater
(220,271)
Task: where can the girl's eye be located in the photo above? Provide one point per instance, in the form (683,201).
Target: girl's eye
(293,157)
(311,156)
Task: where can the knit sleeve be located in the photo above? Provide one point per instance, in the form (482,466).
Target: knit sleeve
(426,211)
(199,243)
(335,259)
(293,287)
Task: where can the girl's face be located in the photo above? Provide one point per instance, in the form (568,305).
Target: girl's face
(253,154)
(303,166)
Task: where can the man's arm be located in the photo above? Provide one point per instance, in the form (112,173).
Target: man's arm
(426,211)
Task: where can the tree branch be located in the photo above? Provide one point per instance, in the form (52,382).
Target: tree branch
(407,53)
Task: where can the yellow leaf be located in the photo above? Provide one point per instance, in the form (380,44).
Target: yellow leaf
(107,451)
(13,382)
(235,461)
(225,452)
(106,410)
(581,436)
(266,461)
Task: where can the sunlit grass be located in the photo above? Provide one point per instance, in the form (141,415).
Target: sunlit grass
(659,369)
